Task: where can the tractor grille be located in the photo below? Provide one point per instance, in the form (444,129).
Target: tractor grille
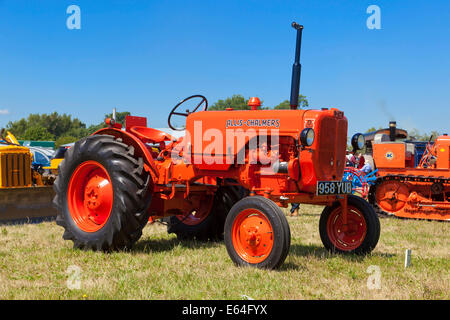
(15,170)
(332,147)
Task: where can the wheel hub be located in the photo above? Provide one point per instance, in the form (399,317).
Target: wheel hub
(252,236)
(90,196)
(392,196)
(346,236)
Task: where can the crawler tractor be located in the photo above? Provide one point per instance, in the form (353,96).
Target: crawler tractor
(111,183)
(411,183)
(26,193)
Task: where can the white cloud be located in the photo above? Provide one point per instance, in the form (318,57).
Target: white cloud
(4,111)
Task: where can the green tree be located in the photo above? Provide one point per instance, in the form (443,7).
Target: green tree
(95,127)
(54,126)
(120,117)
(18,128)
(415,134)
(237,102)
(435,134)
(54,123)
(373,129)
(65,140)
(38,134)
(302,103)
(76,132)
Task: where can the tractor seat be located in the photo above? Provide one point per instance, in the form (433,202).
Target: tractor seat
(151,135)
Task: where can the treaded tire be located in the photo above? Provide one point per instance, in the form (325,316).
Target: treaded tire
(212,227)
(130,194)
(280,229)
(287,231)
(372,226)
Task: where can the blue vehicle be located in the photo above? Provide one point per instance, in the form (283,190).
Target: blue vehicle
(41,157)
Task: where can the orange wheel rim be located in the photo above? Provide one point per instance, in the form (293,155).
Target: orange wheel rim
(90,196)
(350,236)
(252,236)
(392,196)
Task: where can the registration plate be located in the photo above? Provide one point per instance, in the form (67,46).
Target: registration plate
(325,188)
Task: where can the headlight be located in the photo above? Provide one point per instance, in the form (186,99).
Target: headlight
(358,141)
(307,137)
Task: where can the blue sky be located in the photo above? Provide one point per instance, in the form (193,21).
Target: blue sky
(145,56)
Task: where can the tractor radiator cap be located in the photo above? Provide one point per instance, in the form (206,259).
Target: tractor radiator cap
(254,103)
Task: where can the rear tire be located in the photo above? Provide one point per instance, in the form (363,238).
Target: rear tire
(363,231)
(128,200)
(212,227)
(257,233)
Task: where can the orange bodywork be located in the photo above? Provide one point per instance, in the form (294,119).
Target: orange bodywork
(408,191)
(195,164)
(442,153)
(324,160)
(392,155)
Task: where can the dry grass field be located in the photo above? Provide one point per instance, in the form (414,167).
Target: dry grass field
(35,263)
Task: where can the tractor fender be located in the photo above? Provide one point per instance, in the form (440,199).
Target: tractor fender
(139,147)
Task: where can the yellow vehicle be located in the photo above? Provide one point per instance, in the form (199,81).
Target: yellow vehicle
(57,159)
(24,193)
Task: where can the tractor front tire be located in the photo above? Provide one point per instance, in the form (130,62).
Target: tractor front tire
(101,194)
(257,233)
(359,236)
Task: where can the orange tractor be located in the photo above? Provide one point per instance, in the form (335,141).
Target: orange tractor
(411,184)
(226,178)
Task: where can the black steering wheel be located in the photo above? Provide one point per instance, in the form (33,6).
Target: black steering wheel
(185,114)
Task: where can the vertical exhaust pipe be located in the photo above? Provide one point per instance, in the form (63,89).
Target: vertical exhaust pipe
(296,68)
(392,130)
